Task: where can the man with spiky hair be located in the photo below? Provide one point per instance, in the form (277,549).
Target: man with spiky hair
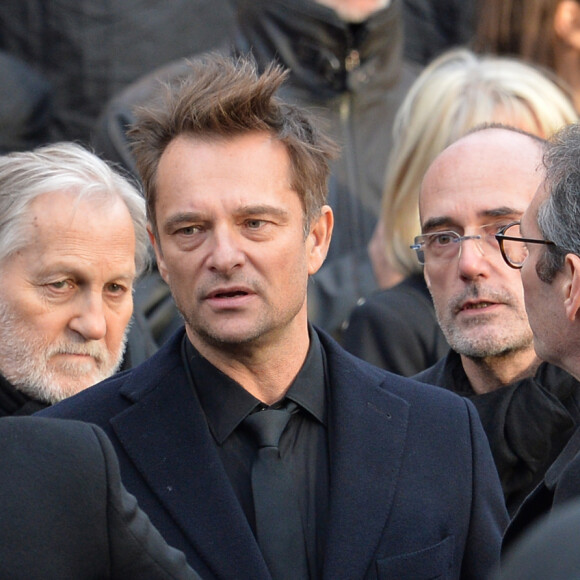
(384,477)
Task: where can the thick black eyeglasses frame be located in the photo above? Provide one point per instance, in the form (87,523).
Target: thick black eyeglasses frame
(500,237)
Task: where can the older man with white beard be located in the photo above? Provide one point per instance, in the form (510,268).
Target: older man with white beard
(473,189)
(72,241)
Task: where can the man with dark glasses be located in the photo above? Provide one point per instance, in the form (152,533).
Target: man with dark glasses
(475,189)
(545,247)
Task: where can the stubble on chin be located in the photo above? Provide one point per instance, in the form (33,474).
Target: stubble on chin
(487,335)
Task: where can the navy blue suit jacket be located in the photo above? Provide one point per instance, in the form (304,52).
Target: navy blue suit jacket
(414,491)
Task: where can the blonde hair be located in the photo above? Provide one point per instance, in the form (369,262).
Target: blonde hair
(455,93)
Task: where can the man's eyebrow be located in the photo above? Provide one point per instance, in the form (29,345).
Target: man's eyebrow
(439,222)
(73,270)
(247,210)
(502,211)
(180,218)
(449,222)
(262,210)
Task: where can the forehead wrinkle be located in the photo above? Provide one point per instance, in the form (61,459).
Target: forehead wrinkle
(447,221)
(245,210)
(71,244)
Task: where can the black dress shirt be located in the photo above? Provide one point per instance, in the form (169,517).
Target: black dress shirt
(303,446)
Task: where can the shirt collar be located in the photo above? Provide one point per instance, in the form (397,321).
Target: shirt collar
(226,403)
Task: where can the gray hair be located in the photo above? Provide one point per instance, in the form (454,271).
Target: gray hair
(24,176)
(559,216)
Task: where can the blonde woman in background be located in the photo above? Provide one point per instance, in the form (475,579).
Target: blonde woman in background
(396,328)
(542,32)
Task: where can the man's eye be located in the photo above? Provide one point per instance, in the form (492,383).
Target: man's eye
(116,288)
(188,230)
(60,285)
(443,239)
(254,224)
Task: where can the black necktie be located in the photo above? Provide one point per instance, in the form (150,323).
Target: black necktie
(278,522)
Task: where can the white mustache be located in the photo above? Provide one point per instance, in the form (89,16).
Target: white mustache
(94,350)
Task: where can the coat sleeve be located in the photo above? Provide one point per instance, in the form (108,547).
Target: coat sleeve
(489,516)
(138,551)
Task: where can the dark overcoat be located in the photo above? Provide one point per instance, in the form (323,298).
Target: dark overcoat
(413,489)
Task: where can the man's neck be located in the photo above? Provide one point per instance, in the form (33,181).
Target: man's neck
(265,370)
(488,374)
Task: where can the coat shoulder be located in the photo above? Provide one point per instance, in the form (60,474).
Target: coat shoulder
(110,397)
(345,368)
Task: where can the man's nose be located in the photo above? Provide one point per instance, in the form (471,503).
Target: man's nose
(473,259)
(89,320)
(225,252)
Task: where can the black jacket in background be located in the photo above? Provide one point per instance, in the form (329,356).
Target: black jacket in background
(397,329)
(434,26)
(560,485)
(527,423)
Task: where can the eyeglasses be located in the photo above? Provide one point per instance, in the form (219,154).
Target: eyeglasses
(513,247)
(446,245)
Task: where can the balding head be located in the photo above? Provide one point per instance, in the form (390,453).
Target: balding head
(480,183)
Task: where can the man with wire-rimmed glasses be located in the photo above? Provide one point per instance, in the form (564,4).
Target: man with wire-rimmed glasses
(545,247)
(472,191)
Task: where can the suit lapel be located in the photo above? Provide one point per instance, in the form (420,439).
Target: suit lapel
(176,456)
(367,436)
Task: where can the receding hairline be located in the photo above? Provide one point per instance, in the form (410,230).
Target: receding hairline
(483,136)
(487,131)
(105,201)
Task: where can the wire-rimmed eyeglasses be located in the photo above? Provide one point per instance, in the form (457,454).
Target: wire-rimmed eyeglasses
(446,245)
(513,247)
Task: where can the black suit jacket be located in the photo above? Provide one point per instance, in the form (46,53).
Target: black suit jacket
(560,485)
(414,492)
(64,514)
(527,422)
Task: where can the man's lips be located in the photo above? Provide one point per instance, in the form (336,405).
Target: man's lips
(229,298)
(228,293)
(72,353)
(474,305)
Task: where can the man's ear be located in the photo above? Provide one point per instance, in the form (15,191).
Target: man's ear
(567,23)
(318,240)
(572,286)
(158,254)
